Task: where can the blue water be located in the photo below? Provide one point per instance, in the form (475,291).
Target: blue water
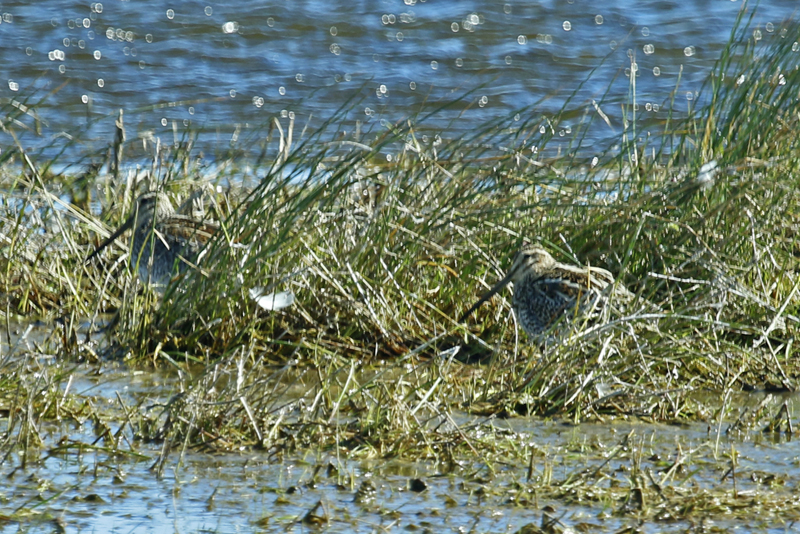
(220,68)
(93,491)
(88,482)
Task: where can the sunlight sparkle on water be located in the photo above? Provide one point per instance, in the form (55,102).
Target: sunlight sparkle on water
(230,27)
(469,43)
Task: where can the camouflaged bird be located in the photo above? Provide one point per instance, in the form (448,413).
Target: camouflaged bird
(164,243)
(551,298)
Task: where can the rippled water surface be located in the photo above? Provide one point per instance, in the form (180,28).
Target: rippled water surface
(226,68)
(86,489)
(85,483)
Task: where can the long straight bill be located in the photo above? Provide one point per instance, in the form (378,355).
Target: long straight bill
(497,287)
(127,224)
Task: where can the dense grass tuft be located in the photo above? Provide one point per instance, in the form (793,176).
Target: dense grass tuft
(385,237)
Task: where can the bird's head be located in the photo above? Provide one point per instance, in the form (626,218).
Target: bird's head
(531,259)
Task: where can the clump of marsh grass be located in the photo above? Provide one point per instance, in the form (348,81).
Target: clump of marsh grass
(384,280)
(386,237)
(32,393)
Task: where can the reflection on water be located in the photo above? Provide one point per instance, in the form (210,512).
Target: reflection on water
(221,66)
(86,489)
(234,493)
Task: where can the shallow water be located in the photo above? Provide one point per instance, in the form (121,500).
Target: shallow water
(234,493)
(227,68)
(190,72)
(89,490)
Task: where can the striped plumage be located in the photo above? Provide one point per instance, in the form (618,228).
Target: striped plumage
(164,243)
(552,297)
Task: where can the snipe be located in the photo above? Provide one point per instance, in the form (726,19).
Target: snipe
(551,297)
(164,244)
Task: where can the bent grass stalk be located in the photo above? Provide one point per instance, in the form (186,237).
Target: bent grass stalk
(385,238)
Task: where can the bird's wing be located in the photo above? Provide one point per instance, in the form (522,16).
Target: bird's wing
(565,293)
(188,231)
(595,280)
(587,277)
